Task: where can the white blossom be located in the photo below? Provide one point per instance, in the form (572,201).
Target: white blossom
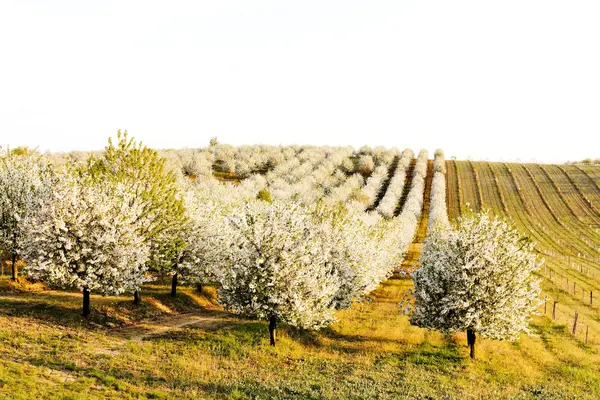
(274,264)
(85,237)
(366,197)
(366,164)
(438,213)
(392,196)
(477,277)
(360,250)
(346,190)
(404,227)
(25,183)
(201,234)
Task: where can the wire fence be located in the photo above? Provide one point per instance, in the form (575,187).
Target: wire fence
(572,319)
(570,286)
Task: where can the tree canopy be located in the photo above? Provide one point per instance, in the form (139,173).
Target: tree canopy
(477,277)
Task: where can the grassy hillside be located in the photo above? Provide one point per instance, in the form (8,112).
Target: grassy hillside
(188,347)
(47,351)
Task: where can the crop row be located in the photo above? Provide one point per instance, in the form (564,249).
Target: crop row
(438,215)
(405,225)
(583,194)
(530,198)
(477,185)
(395,188)
(369,192)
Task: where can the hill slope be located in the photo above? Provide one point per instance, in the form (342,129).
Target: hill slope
(188,347)
(558,206)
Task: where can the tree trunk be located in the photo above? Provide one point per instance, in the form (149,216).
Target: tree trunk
(137,297)
(272,327)
(199,287)
(15,273)
(86,302)
(174,285)
(471,342)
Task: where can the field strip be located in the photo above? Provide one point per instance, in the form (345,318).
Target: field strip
(410,262)
(585,181)
(571,207)
(452,191)
(547,242)
(422,230)
(491,197)
(543,212)
(562,208)
(477,185)
(591,217)
(469,194)
(589,205)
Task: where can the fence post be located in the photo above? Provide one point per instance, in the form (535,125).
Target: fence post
(545,301)
(587,327)
(575,322)
(554,309)
(591,297)
(574,289)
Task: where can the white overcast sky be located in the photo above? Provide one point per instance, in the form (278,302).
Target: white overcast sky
(483,79)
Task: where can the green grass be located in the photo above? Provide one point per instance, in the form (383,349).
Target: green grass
(371,352)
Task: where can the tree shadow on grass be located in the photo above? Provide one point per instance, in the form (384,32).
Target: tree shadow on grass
(445,357)
(156,386)
(54,314)
(64,308)
(328,338)
(546,330)
(236,331)
(564,366)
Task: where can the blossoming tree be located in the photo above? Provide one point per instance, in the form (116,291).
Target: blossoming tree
(274,266)
(477,278)
(86,237)
(361,250)
(25,182)
(141,171)
(201,236)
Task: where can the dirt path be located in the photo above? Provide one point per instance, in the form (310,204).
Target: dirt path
(147,329)
(411,261)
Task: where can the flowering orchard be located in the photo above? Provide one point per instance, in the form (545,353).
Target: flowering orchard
(288,234)
(389,203)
